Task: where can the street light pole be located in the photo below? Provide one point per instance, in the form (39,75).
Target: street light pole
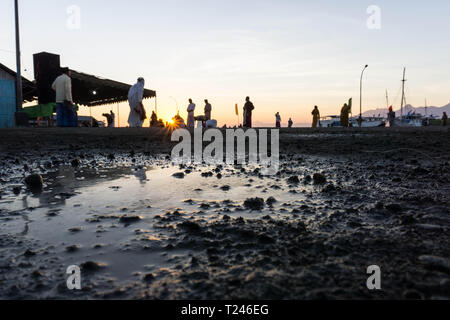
(360,96)
(19,98)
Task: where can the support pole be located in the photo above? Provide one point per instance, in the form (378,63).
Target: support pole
(118,120)
(19,97)
(118,115)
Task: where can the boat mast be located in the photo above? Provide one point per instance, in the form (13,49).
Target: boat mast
(426,108)
(387,99)
(403,91)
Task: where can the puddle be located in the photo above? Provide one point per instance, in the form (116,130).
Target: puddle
(81,209)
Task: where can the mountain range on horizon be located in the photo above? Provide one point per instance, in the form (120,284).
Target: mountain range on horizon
(432,110)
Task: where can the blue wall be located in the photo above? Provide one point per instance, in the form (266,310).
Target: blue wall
(7,103)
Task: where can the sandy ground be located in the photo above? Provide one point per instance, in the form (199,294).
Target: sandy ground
(342,201)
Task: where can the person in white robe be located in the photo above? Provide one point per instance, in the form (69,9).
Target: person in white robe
(137,111)
(191,118)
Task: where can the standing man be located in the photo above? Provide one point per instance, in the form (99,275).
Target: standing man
(208,109)
(278,120)
(66,115)
(290,123)
(391,117)
(248,109)
(444,119)
(344,116)
(137,110)
(316,116)
(191,111)
(113,120)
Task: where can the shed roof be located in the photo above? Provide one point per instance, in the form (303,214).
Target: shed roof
(28,87)
(89,90)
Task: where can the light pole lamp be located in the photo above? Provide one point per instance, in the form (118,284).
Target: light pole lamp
(360,96)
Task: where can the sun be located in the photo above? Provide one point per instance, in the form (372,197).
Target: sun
(171,122)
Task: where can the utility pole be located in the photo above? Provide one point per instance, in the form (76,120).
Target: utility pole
(19,97)
(360,97)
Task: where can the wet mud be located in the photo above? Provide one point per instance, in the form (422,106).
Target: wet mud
(140,227)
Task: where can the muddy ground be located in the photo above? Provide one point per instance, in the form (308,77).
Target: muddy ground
(343,200)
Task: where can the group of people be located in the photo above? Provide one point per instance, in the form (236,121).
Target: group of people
(66,113)
(205,119)
(278,121)
(345,112)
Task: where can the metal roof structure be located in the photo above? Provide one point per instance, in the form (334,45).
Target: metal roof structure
(91,91)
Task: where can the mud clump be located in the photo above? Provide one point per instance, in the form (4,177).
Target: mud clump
(149,277)
(293,180)
(329,188)
(319,178)
(17,190)
(34,182)
(178,175)
(72,248)
(75,229)
(190,226)
(75,163)
(436,263)
(29,253)
(91,266)
(394,207)
(130,219)
(255,204)
(271,201)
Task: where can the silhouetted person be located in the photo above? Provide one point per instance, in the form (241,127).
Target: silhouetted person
(391,117)
(154,120)
(316,116)
(444,119)
(277,120)
(113,122)
(248,110)
(344,116)
(290,123)
(208,109)
(191,118)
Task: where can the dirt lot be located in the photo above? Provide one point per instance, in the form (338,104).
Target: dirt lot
(342,200)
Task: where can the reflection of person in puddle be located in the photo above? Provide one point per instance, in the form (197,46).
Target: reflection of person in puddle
(141,174)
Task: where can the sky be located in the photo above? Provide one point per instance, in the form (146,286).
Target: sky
(287,55)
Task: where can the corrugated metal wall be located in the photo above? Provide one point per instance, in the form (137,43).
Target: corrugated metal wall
(7,103)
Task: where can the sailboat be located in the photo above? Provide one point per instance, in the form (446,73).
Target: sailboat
(410,119)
